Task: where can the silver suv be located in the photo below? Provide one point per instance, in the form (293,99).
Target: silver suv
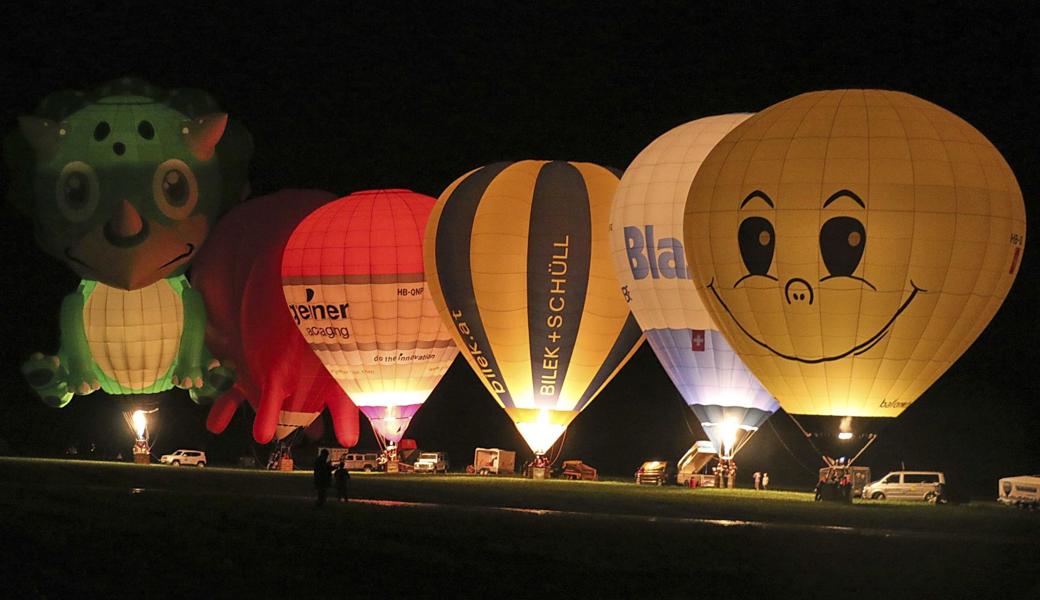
(184,457)
(907,485)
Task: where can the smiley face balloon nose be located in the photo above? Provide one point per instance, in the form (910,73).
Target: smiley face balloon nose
(852,244)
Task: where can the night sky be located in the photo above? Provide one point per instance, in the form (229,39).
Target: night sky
(368,95)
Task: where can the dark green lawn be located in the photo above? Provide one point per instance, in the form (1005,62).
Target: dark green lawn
(77,529)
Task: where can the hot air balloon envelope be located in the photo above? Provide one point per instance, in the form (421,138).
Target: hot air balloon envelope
(238,272)
(520,268)
(851,245)
(353,278)
(646,240)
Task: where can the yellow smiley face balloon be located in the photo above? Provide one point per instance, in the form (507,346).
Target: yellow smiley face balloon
(852,244)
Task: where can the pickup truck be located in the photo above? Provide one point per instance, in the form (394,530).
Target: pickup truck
(432,462)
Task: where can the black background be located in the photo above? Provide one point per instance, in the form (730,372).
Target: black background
(349,96)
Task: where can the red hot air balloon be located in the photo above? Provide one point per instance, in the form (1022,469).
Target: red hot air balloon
(238,272)
(354,281)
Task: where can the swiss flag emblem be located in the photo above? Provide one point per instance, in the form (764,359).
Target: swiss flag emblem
(697,339)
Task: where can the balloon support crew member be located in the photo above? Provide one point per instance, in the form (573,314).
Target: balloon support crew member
(322,476)
(342,476)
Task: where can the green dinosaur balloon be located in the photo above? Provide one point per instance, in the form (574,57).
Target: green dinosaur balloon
(123,185)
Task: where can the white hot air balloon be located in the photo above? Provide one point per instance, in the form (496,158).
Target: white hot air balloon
(646,232)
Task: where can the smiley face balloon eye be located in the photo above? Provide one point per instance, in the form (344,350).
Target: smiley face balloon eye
(757,241)
(842,240)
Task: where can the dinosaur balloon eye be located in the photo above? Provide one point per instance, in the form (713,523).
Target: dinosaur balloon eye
(146,130)
(175,189)
(842,240)
(102,130)
(757,241)
(77,191)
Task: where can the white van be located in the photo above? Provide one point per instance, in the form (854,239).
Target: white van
(1023,491)
(906,485)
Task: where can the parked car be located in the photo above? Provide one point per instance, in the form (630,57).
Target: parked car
(1022,491)
(655,472)
(907,485)
(361,461)
(575,469)
(184,457)
(432,462)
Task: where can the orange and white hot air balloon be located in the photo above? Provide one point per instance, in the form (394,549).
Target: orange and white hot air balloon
(352,274)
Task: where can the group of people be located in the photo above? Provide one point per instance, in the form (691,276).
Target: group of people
(725,473)
(761,481)
(274,462)
(835,485)
(325,473)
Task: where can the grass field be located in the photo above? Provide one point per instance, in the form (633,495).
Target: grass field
(78,529)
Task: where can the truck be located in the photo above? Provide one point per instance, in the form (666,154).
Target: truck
(577,470)
(1022,491)
(431,462)
(355,460)
(655,472)
(493,461)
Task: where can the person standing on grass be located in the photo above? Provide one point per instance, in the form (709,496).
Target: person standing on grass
(758,481)
(322,475)
(765,481)
(342,478)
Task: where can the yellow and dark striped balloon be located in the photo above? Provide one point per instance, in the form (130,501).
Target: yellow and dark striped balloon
(519,266)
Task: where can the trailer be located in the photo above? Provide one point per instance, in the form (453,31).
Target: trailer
(494,461)
(691,466)
(1022,491)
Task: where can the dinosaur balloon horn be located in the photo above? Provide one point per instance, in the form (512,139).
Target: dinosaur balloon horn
(203,133)
(42,134)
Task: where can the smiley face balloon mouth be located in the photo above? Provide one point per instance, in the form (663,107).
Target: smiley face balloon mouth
(856,350)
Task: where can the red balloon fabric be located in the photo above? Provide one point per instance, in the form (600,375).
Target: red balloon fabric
(238,273)
(353,277)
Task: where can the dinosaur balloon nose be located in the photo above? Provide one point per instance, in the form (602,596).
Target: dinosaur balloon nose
(126,228)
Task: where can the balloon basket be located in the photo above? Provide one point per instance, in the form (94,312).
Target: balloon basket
(540,473)
(142,454)
(285,464)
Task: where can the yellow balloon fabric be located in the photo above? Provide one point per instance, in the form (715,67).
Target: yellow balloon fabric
(852,244)
(134,335)
(521,271)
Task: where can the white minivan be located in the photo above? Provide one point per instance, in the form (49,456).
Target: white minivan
(907,485)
